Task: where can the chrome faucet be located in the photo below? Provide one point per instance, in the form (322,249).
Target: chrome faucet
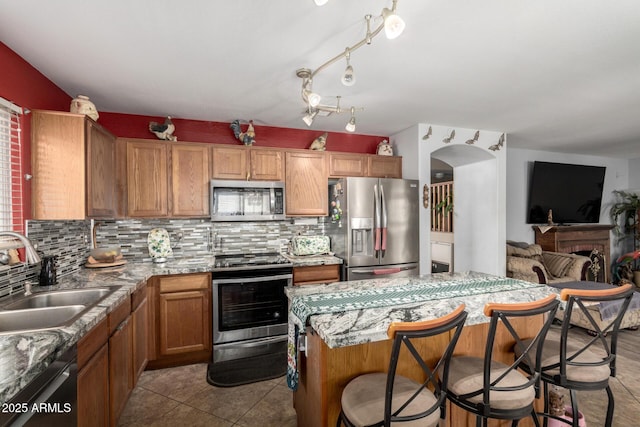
(30,253)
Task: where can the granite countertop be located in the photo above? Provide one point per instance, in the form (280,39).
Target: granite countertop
(24,355)
(370,324)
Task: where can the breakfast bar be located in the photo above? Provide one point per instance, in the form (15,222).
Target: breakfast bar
(337,344)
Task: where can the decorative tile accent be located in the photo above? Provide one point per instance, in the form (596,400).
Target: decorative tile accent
(70,241)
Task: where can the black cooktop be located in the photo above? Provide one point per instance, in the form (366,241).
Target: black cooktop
(250,260)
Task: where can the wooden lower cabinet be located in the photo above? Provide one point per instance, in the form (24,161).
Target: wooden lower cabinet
(120,367)
(181,309)
(314,274)
(139,334)
(93,377)
(111,358)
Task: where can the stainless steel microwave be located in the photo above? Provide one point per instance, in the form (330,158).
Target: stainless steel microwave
(247,200)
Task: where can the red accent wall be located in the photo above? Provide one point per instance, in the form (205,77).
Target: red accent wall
(135,126)
(28,88)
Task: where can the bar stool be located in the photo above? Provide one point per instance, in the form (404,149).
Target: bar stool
(490,388)
(575,365)
(379,399)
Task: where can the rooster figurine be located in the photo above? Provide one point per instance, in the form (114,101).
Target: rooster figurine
(164,131)
(248,137)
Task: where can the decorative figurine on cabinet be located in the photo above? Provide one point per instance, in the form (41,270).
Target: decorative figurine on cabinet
(248,137)
(320,143)
(384,148)
(164,131)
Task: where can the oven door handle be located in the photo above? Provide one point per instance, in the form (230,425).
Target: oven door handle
(252,279)
(256,342)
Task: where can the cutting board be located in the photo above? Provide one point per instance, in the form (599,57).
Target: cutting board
(105,264)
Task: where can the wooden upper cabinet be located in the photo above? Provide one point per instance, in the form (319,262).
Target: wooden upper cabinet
(247,163)
(147,178)
(307,190)
(385,166)
(190,180)
(229,162)
(73,167)
(347,164)
(266,164)
(101,167)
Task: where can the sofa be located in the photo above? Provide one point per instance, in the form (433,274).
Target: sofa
(530,263)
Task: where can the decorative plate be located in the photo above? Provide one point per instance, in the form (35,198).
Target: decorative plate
(159,244)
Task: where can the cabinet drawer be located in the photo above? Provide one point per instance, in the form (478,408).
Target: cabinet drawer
(316,274)
(92,341)
(186,282)
(138,296)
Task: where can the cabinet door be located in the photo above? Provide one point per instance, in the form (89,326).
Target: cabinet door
(139,330)
(385,166)
(347,165)
(120,381)
(189,180)
(93,390)
(306,184)
(229,162)
(147,179)
(184,322)
(267,165)
(100,171)
(58,165)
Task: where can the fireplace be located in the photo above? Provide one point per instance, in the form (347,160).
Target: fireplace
(590,240)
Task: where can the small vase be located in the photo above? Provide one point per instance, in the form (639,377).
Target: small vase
(82,105)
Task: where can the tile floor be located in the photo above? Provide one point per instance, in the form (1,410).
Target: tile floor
(182,396)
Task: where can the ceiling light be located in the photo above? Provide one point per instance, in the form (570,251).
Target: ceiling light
(348,78)
(388,21)
(308,118)
(320,2)
(393,24)
(351,126)
(314,99)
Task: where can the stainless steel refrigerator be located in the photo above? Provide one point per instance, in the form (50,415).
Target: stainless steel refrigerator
(374,226)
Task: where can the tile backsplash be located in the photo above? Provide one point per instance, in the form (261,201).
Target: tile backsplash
(70,241)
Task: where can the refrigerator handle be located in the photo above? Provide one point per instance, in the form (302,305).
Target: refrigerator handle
(377,220)
(383,224)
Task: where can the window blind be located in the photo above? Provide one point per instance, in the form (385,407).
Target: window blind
(11,215)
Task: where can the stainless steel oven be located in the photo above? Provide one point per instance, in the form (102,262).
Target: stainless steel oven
(249,318)
(250,307)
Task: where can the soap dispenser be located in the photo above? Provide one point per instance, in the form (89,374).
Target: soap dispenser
(48,272)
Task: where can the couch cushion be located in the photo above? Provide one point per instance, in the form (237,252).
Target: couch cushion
(557,265)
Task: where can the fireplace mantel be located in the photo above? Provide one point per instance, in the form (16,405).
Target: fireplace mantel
(576,238)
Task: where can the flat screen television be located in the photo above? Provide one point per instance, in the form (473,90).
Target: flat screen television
(572,192)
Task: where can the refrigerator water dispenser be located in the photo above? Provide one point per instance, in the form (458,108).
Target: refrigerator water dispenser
(362,236)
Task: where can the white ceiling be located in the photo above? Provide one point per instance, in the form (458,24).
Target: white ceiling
(555,75)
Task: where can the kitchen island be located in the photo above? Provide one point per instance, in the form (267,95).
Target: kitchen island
(343,344)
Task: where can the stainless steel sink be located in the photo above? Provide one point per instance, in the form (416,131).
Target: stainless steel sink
(88,296)
(39,318)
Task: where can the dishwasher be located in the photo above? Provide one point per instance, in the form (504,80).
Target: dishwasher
(50,399)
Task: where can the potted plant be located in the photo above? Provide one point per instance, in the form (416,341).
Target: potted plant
(624,214)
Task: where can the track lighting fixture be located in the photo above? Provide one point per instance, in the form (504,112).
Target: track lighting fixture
(393,26)
(351,125)
(309,117)
(348,79)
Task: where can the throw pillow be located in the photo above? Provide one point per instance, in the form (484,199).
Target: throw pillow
(557,265)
